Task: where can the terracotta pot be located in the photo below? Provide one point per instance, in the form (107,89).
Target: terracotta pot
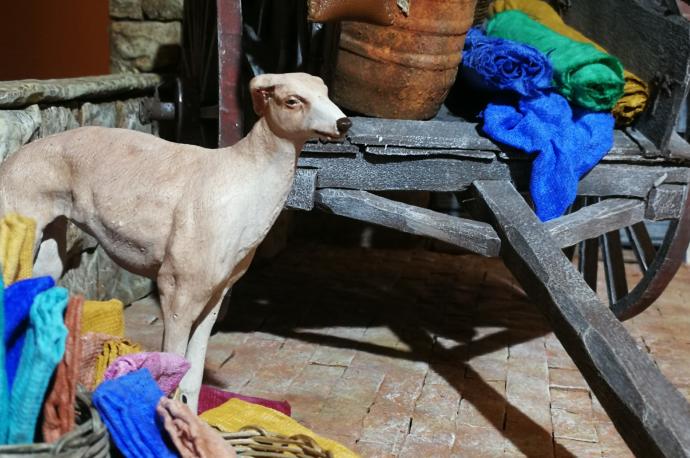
(403,71)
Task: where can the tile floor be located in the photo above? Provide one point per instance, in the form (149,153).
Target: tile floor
(411,353)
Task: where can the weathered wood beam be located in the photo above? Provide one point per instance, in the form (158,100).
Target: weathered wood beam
(388,173)
(595,220)
(301,196)
(471,235)
(665,202)
(650,414)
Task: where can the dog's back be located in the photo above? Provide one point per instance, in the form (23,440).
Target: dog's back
(119,185)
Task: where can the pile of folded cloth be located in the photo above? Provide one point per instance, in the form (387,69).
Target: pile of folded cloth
(551,93)
(54,342)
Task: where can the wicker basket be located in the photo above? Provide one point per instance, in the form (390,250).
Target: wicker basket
(89,439)
(253,442)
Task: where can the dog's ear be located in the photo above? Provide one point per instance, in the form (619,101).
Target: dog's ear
(261,88)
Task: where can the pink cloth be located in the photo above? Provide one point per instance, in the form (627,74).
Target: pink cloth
(167,368)
(211,397)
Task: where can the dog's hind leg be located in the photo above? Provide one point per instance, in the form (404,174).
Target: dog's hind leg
(50,249)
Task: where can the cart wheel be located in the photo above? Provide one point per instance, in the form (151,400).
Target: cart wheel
(210,71)
(197,81)
(657,262)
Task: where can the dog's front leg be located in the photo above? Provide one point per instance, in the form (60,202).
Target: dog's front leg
(190,386)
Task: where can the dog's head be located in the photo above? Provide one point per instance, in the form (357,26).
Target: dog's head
(296,106)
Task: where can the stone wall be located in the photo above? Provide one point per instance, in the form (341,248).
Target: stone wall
(144,35)
(33,109)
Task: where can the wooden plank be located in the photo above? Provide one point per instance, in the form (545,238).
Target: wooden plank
(376,173)
(595,220)
(426,152)
(301,196)
(468,234)
(665,202)
(229,71)
(418,134)
(456,135)
(628,180)
(648,411)
(641,38)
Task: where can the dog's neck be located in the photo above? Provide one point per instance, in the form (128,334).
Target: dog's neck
(263,142)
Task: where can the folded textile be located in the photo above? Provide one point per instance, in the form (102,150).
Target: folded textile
(496,64)
(192,437)
(236,414)
(211,397)
(105,317)
(635,92)
(582,73)
(58,409)
(4,390)
(18,301)
(128,407)
(166,368)
(17,235)
(113,349)
(43,350)
(92,344)
(568,143)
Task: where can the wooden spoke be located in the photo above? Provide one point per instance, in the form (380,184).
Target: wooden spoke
(614,266)
(641,243)
(588,262)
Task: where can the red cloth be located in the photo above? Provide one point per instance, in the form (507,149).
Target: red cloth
(211,397)
(58,409)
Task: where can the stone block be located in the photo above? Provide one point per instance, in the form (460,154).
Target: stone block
(55,120)
(143,46)
(18,127)
(126,9)
(163,10)
(97,114)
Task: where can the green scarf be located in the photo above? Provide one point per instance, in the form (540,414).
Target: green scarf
(584,75)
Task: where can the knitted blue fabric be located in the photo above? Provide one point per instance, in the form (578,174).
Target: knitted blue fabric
(568,143)
(43,350)
(4,391)
(18,299)
(497,64)
(127,405)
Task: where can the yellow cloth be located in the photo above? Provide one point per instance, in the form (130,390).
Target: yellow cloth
(104,317)
(235,414)
(635,95)
(17,235)
(113,349)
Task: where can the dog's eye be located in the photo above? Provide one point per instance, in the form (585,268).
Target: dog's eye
(292,102)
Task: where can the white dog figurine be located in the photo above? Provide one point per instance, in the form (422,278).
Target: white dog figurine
(188,217)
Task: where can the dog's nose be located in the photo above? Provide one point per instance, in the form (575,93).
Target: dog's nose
(343,125)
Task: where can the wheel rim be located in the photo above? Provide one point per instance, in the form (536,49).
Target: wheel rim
(602,258)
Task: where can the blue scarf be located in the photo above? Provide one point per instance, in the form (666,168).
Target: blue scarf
(43,350)
(132,420)
(526,114)
(18,299)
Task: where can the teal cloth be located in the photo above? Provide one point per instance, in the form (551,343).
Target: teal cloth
(584,75)
(4,393)
(43,350)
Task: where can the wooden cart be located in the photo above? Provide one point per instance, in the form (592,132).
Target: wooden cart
(643,179)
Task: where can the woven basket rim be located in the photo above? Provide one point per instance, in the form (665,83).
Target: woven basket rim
(90,436)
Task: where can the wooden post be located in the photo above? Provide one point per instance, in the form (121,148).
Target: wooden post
(651,415)
(229,71)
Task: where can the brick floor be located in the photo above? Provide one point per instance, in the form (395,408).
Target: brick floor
(412,353)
